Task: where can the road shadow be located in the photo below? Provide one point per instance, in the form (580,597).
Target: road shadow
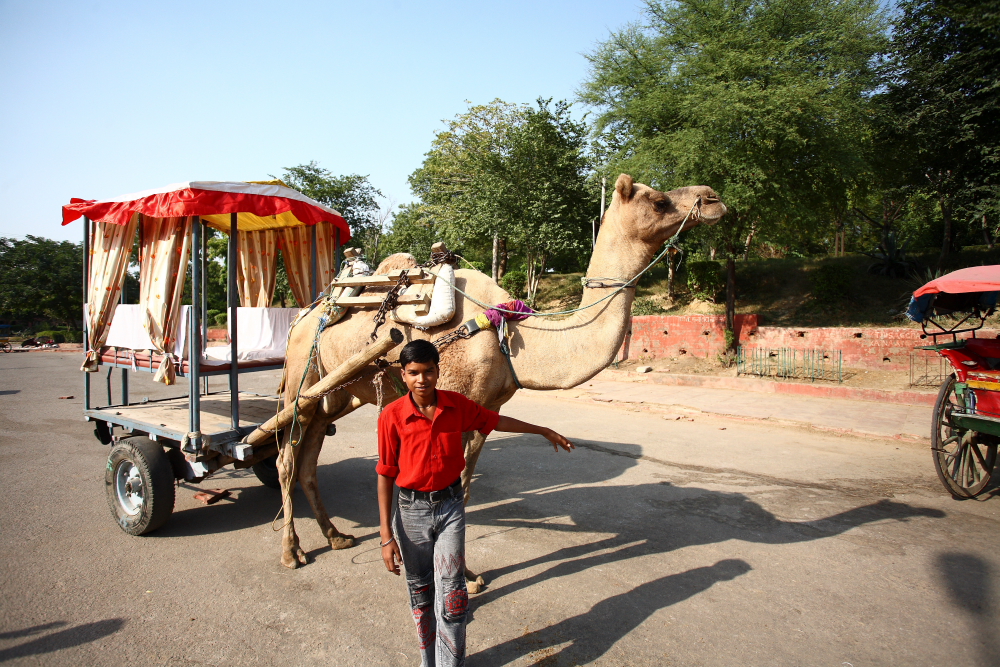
(968,580)
(8,392)
(593,632)
(348,488)
(562,493)
(56,641)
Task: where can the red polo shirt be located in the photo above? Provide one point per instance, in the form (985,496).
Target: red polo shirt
(424,454)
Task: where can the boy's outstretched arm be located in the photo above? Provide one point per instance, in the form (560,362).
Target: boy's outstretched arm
(511,425)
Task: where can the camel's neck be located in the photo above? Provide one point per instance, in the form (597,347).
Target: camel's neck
(559,354)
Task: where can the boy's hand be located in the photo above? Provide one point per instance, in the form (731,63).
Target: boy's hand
(558,441)
(391,557)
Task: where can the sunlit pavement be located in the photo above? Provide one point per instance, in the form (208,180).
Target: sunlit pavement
(704,542)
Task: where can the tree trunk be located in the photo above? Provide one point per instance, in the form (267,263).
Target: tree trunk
(502,271)
(671,270)
(731,298)
(711,253)
(948,239)
(538,277)
(496,259)
(746,250)
(987,236)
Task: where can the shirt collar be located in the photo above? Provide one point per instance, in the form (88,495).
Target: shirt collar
(443,401)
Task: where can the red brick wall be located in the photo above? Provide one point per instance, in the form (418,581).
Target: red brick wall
(661,336)
(886,348)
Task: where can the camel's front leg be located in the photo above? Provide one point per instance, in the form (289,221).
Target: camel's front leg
(473,448)
(291,554)
(311,445)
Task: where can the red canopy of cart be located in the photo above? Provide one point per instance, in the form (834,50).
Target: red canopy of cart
(259,205)
(972,279)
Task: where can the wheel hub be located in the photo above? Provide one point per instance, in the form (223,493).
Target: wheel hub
(129,488)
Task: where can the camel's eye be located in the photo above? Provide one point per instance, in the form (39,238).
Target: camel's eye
(660,206)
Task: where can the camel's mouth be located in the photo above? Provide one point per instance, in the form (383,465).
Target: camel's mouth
(712,210)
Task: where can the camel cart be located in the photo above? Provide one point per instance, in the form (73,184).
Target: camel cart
(192,435)
(965,430)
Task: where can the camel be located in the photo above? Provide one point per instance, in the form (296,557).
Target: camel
(546,353)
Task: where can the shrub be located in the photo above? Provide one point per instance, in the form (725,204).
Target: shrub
(220,319)
(891,258)
(514,282)
(211,313)
(646,305)
(60,336)
(706,280)
(480,266)
(831,283)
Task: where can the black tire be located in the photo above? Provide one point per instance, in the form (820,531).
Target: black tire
(267,472)
(964,459)
(139,483)
(5,347)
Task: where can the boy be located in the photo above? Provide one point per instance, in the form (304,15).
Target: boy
(420,448)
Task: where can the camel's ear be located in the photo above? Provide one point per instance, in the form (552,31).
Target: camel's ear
(623,186)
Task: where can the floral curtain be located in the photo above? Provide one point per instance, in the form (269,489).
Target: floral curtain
(257,267)
(165,244)
(296,247)
(110,247)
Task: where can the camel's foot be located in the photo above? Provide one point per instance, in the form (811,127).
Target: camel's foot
(293,557)
(341,541)
(474,582)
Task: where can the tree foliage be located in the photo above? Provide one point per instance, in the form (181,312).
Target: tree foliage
(41,279)
(352,195)
(942,102)
(764,100)
(508,180)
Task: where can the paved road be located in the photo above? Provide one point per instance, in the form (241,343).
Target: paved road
(860,417)
(705,542)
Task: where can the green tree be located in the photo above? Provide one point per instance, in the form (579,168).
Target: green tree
(352,195)
(413,230)
(41,279)
(764,100)
(511,179)
(943,94)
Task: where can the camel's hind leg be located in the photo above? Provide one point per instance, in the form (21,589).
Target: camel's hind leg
(473,448)
(311,445)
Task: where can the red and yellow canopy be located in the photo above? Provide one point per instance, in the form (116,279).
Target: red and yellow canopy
(259,206)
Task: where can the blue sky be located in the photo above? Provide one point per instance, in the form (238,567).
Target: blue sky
(105,98)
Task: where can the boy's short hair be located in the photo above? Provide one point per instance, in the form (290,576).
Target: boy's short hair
(420,352)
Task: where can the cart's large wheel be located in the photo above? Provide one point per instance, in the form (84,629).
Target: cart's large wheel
(963,458)
(267,472)
(139,482)
(5,347)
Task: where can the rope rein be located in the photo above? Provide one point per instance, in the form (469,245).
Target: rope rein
(618,284)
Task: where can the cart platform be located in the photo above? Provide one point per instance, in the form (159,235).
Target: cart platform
(168,418)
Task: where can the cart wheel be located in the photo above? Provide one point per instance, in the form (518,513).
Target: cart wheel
(5,347)
(139,482)
(267,472)
(963,458)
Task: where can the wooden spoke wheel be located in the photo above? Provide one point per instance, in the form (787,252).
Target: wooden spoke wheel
(964,459)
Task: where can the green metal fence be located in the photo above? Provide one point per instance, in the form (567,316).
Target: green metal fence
(786,362)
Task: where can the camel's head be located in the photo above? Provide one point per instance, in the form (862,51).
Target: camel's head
(655,216)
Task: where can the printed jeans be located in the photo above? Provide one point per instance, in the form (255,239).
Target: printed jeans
(431,538)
